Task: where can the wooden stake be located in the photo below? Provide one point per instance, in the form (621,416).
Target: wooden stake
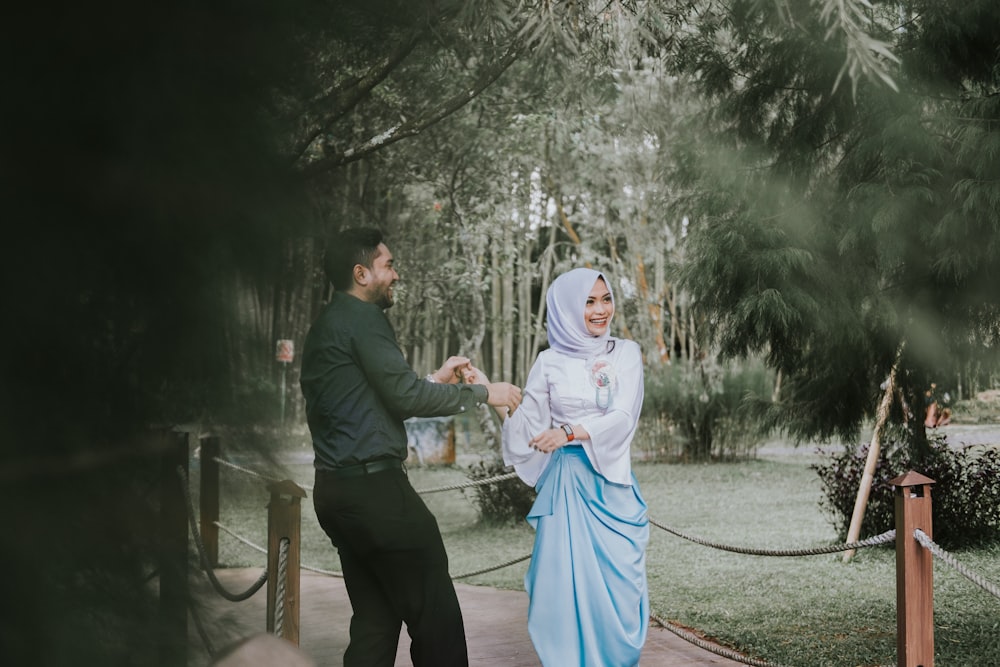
(865,487)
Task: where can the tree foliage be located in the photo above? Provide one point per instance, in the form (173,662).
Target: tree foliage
(855,223)
(168,184)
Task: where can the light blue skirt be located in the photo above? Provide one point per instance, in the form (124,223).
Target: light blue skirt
(588,600)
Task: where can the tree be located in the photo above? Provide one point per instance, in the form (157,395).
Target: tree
(475,137)
(858,221)
(155,169)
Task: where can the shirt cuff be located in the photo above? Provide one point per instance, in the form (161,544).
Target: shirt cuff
(479,392)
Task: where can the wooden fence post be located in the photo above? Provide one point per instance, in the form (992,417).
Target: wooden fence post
(209,497)
(173,556)
(284,520)
(914,573)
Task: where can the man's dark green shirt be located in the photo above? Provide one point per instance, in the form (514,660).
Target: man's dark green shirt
(359,388)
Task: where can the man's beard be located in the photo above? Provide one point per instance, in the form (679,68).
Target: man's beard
(384,298)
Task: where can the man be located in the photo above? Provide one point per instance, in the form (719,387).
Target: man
(358,390)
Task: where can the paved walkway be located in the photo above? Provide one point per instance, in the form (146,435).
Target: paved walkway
(495,623)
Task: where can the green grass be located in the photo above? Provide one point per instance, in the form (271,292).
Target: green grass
(807,611)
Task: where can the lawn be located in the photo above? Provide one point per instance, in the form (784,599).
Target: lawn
(807,611)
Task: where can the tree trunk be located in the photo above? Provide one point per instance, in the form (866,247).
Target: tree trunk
(495,306)
(507,301)
(524,311)
(547,261)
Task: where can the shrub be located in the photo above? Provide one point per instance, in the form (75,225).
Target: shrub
(701,412)
(505,502)
(979,410)
(965,494)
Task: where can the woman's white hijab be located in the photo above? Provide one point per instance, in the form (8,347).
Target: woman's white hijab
(566,301)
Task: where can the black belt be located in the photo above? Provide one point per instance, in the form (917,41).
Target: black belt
(361,469)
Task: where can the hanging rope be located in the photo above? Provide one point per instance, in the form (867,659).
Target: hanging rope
(329,573)
(938,552)
(262,550)
(478,482)
(340,575)
(884,538)
(206,565)
(239,538)
(248,471)
(689,636)
(491,569)
(451,487)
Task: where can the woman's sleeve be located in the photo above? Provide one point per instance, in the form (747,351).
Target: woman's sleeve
(531,418)
(611,433)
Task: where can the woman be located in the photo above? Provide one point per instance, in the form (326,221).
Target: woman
(588,602)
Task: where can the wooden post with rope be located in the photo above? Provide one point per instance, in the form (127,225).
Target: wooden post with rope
(209,497)
(874,450)
(914,573)
(284,521)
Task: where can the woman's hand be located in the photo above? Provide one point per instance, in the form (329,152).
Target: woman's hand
(503,397)
(472,375)
(550,440)
(452,370)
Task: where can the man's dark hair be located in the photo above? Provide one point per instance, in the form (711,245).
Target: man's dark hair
(345,250)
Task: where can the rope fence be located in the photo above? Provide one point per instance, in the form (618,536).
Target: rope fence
(248,471)
(284,548)
(452,487)
(879,540)
(949,559)
(690,637)
(438,489)
(712,647)
(884,538)
(203,557)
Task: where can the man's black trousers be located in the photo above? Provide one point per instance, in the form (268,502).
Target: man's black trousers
(395,570)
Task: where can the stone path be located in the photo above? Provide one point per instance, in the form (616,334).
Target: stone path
(495,623)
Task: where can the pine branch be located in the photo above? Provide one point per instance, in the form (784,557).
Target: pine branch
(413,127)
(342,100)
(863,50)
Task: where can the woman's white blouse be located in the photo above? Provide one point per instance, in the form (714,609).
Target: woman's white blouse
(563,390)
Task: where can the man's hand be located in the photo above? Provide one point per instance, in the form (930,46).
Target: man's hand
(504,395)
(452,370)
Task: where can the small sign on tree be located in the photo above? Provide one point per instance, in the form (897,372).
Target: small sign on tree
(285,351)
